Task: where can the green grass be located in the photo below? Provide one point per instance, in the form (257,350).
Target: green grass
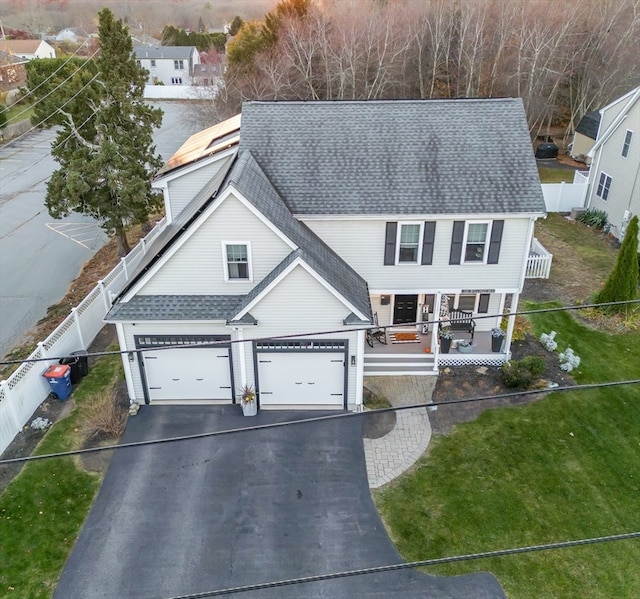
(563,468)
(19,112)
(44,507)
(555,175)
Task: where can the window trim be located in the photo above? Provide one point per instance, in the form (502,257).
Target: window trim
(178,64)
(487,239)
(603,189)
(225,262)
(176,80)
(418,259)
(626,144)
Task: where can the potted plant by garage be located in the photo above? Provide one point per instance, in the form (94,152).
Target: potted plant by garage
(497,336)
(248,401)
(446,336)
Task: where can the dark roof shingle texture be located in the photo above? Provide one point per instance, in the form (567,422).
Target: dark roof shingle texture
(176,307)
(396,156)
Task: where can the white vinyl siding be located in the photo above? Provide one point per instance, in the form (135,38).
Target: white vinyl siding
(198,266)
(624,193)
(361,243)
(300,304)
(183,189)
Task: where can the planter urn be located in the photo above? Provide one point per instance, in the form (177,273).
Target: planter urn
(496,344)
(250,408)
(445,345)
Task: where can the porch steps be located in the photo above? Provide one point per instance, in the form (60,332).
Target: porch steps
(398,364)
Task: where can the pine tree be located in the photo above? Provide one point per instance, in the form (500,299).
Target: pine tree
(622,283)
(105,145)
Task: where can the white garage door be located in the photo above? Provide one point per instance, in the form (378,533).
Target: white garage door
(301,379)
(188,374)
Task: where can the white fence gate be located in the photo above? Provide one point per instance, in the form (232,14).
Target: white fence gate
(25,389)
(538,262)
(564,197)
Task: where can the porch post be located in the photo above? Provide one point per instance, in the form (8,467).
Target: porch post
(435,346)
(511,323)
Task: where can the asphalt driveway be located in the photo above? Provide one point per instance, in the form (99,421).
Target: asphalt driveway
(200,515)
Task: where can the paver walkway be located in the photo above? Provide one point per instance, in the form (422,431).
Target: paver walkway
(389,456)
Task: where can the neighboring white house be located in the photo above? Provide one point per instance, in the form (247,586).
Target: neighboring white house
(314,221)
(168,65)
(614,177)
(28,49)
(69,34)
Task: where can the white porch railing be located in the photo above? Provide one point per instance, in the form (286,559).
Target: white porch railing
(538,262)
(25,389)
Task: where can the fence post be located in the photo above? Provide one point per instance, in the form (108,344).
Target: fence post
(76,320)
(123,261)
(105,296)
(10,413)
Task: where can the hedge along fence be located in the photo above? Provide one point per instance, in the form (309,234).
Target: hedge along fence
(26,388)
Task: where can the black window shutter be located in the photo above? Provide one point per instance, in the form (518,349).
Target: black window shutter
(496,240)
(456,242)
(390,244)
(427,242)
(483,303)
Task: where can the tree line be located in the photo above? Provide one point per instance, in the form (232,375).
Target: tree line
(563,58)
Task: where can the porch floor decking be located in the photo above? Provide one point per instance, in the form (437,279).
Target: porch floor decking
(481,344)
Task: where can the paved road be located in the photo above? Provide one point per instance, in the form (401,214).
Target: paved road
(39,257)
(252,507)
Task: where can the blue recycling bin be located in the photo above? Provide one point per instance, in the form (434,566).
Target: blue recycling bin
(59,377)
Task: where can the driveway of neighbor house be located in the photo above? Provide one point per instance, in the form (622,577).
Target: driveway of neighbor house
(218,512)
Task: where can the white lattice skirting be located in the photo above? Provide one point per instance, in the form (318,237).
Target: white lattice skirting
(453,360)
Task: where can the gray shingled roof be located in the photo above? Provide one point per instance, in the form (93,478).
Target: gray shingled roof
(395,156)
(176,307)
(589,124)
(247,177)
(169,52)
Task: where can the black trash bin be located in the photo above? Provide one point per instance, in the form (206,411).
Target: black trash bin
(74,364)
(83,361)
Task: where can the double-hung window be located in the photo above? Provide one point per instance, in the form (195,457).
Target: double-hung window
(237,261)
(153,63)
(475,244)
(178,65)
(409,243)
(627,143)
(604,185)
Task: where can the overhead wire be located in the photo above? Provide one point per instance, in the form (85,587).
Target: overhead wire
(411,565)
(15,117)
(317,333)
(324,417)
(66,62)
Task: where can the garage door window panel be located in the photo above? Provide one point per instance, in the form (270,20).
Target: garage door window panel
(237,261)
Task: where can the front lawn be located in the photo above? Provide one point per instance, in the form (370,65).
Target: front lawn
(563,468)
(44,507)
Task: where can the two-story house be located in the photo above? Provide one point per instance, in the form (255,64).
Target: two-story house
(168,65)
(614,177)
(294,227)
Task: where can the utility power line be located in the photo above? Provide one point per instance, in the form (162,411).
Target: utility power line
(411,565)
(336,416)
(316,333)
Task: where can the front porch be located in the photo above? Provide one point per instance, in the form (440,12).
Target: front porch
(423,357)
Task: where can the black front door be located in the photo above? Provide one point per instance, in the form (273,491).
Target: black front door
(405,309)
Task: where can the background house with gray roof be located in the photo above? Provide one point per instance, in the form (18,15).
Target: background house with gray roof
(296,227)
(168,65)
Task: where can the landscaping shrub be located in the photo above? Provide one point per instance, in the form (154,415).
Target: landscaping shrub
(593,218)
(521,374)
(101,414)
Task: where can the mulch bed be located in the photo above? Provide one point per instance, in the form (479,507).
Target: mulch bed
(466,382)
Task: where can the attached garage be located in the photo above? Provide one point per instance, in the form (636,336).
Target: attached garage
(302,374)
(194,370)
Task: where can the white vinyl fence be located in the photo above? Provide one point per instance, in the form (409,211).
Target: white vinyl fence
(25,389)
(564,197)
(538,262)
